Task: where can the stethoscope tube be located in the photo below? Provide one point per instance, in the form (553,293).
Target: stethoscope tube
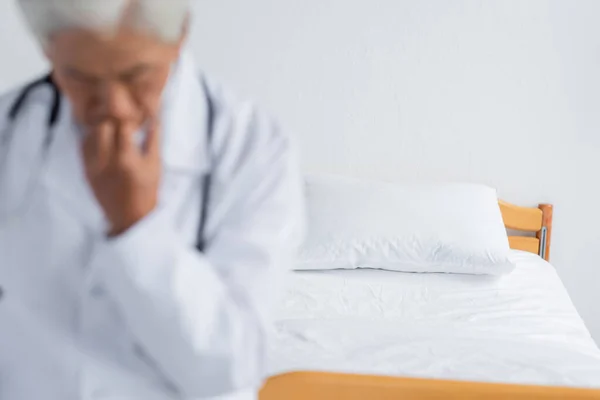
(7,136)
(19,103)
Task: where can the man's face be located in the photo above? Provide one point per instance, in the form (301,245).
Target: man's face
(118,78)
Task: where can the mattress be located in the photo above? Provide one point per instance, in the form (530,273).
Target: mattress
(518,328)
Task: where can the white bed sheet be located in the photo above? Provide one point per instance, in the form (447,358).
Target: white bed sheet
(519,328)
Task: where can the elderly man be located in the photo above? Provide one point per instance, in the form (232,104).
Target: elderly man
(145,218)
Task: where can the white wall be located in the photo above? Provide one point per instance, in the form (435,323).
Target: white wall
(504,92)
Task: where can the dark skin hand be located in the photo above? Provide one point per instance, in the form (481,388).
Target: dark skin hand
(123,176)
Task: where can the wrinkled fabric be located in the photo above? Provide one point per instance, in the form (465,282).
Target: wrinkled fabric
(518,328)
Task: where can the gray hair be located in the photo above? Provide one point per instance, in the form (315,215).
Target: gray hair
(164,18)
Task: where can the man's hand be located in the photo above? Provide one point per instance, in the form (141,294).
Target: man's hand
(124,177)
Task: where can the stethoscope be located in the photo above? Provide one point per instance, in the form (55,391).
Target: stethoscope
(19,103)
(6,138)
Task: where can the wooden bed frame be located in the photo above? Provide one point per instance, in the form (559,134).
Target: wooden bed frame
(331,386)
(536,221)
(334,386)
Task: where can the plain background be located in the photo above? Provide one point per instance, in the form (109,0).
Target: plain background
(501,92)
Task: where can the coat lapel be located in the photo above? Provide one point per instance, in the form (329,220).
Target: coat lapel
(64,175)
(185,116)
(185,150)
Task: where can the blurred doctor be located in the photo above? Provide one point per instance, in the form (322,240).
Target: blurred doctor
(146,217)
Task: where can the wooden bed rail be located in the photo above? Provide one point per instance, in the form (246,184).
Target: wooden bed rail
(331,386)
(532,220)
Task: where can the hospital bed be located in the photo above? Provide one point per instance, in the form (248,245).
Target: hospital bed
(372,334)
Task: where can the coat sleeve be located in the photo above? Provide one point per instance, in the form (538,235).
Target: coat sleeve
(202,317)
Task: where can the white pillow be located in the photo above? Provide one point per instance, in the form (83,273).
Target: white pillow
(453,228)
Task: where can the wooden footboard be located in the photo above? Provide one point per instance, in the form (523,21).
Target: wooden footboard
(331,386)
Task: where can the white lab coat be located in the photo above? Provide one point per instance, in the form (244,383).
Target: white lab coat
(145,315)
